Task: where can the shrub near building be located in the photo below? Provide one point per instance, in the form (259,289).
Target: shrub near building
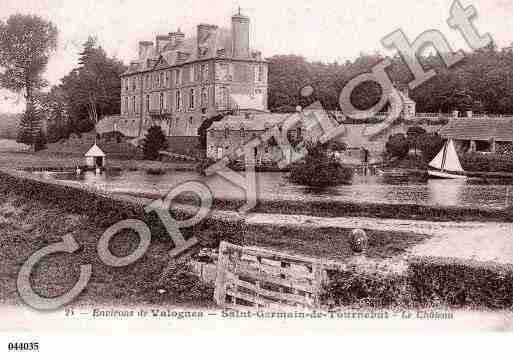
(154,142)
(320,168)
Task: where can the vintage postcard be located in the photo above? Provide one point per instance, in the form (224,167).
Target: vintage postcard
(261,167)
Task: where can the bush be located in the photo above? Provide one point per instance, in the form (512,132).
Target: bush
(155,171)
(154,142)
(493,162)
(428,281)
(458,282)
(377,290)
(430,145)
(320,169)
(397,146)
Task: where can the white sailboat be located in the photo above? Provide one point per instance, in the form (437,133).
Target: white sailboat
(447,160)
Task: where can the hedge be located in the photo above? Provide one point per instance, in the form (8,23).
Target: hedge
(326,208)
(428,281)
(461,282)
(104,211)
(493,162)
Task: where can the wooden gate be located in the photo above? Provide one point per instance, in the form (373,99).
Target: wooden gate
(250,278)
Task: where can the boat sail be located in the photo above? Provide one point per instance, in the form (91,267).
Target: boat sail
(446,160)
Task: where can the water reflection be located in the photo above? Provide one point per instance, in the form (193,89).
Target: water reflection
(445,191)
(474,192)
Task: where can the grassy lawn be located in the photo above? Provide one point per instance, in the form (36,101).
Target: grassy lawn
(14,160)
(332,243)
(27,226)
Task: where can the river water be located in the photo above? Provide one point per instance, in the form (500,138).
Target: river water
(378,189)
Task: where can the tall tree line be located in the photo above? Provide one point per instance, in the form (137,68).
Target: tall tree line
(481,82)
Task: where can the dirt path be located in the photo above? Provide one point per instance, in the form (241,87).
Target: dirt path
(472,240)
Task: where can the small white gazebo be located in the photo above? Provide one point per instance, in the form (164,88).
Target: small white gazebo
(95,157)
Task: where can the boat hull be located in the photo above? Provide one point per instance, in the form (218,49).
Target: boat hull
(445,175)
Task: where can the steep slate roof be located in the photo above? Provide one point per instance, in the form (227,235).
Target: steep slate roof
(483,129)
(222,41)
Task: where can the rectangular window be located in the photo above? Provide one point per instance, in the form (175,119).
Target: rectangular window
(204,97)
(191,73)
(192,99)
(260,73)
(178,100)
(204,72)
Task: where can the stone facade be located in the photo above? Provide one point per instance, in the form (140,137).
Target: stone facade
(227,136)
(179,82)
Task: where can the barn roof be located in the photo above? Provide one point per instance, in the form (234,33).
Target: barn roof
(483,129)
(263,121)
(255,122)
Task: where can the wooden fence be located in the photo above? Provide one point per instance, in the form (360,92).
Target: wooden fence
(250,278)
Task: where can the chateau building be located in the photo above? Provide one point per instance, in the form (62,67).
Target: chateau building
(178,82)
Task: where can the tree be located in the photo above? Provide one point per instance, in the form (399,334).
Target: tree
(29,128)
(53,104)
(26,43)
(320,168)
(430,145)
(92,90)
(154,142)
(397,146)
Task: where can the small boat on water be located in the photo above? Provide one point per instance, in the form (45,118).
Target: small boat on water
(447,163)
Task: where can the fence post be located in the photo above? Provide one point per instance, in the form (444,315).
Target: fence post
(222,265)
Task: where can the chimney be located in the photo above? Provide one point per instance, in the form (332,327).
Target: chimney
(162,41)
(172,38)
(240,36)
(206,36)
(144,49)
(179,37)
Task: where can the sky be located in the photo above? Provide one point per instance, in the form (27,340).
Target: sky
(324,30)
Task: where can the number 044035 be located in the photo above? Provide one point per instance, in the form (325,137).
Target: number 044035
(23,346)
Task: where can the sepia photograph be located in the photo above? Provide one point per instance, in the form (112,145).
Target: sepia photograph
(237,167)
